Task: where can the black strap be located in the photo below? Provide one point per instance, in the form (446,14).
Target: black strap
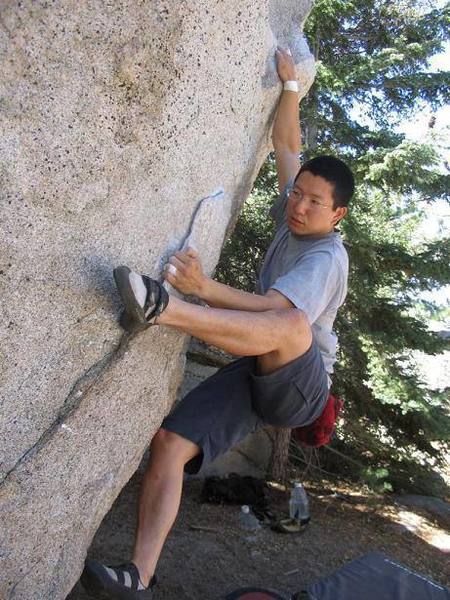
(150,299)
(157,296)
(133,572)
(163,300)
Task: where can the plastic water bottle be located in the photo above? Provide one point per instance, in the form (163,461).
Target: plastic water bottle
(247,519)
(299,504)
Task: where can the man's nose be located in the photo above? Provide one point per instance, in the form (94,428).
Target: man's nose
(301,206)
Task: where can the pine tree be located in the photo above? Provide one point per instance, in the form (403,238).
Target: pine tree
(373,59)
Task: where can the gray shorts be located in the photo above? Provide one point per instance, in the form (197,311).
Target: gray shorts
(236,401)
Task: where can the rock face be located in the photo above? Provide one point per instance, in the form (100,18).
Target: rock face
(436,506)
(117,118)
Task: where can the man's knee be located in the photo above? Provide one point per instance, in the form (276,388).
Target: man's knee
(294,330)
(297,321)
(172,447)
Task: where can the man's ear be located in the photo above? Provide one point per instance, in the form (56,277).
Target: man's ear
(339,214)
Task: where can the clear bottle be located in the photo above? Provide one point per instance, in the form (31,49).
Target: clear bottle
(299,504)
(247,519)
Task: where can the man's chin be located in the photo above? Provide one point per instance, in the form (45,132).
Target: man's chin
(296,226)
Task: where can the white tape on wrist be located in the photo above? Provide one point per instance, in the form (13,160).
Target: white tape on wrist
(290,86)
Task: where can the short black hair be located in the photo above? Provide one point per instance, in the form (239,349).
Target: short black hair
(336,172)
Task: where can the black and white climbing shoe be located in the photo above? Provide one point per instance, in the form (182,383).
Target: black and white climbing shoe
(144,299)
(121,582)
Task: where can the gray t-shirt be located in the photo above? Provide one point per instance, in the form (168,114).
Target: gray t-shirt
(312,272)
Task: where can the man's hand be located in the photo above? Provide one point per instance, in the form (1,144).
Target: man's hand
(184,271)
(285,65)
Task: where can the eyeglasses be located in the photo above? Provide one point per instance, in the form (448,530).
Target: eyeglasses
(311,203)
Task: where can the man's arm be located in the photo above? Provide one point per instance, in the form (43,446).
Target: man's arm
(220,295)
(188,278)
(286,137)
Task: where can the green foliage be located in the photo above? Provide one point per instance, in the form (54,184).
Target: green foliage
(373,58)
(377,479)
(242,256)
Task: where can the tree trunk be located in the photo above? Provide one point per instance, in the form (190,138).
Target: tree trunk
(280,454)
(310,128)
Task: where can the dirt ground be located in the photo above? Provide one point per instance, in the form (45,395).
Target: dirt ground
(346,522)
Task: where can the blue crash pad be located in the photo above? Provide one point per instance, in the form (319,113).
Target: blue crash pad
(376,576)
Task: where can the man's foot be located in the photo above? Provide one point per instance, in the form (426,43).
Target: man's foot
(144,299)
(121,582)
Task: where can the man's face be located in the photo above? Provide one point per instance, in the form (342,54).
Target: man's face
(309,207)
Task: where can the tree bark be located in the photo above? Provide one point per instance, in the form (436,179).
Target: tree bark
(280,454)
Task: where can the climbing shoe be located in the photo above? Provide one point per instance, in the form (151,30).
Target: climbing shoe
(121,582)
(144,299)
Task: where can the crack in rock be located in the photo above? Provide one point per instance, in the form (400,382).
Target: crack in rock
(73,399)
(83,384)
(19,581)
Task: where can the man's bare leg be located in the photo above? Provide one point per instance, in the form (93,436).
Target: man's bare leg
(275,336)
(160,498)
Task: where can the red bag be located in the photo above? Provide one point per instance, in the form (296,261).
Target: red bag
(319,432)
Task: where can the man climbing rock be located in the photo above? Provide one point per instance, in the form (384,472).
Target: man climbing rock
(284,335)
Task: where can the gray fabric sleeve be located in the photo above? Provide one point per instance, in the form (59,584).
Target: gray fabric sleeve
(278,209)
(311,284)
